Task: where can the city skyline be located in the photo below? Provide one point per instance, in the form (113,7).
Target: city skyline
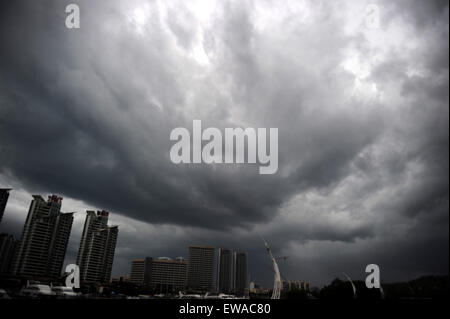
(47,228)
(360,106)
(71,257)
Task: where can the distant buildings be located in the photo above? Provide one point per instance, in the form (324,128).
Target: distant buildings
(122,278)
(97,247)
(241,273)
(201,268)
(289,285)
(4,195)
(7,242)
(7,249)
(166,275)
(225,271)
(232,272)
(41,251)
(138,267)
(256,289)
(161,275)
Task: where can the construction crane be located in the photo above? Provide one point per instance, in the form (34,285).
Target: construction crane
(353,285)
(277,284)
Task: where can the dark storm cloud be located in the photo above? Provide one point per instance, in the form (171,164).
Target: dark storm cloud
(104,153)
(362,118)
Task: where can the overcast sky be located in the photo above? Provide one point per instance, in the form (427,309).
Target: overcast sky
(362,114)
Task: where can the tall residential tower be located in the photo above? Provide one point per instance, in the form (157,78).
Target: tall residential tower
(241,273)
(97,247)
(42,248)
(225,271)
(4,195)
(201,268)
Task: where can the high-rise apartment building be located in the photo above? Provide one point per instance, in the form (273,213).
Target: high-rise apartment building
(165,275)
(162,275)
(232,272)
(42,247)
(4,195)
(225,271)
(98,243)
(201,267)
(138,268)
(241,273)
(7,249)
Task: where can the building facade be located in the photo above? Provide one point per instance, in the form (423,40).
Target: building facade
(7,249)
(43,244)
(289,285)
(225,271)
(165,275)
(241,273)
(161,275)
(4,195)
(201,268)
(97,247)
(138,270)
